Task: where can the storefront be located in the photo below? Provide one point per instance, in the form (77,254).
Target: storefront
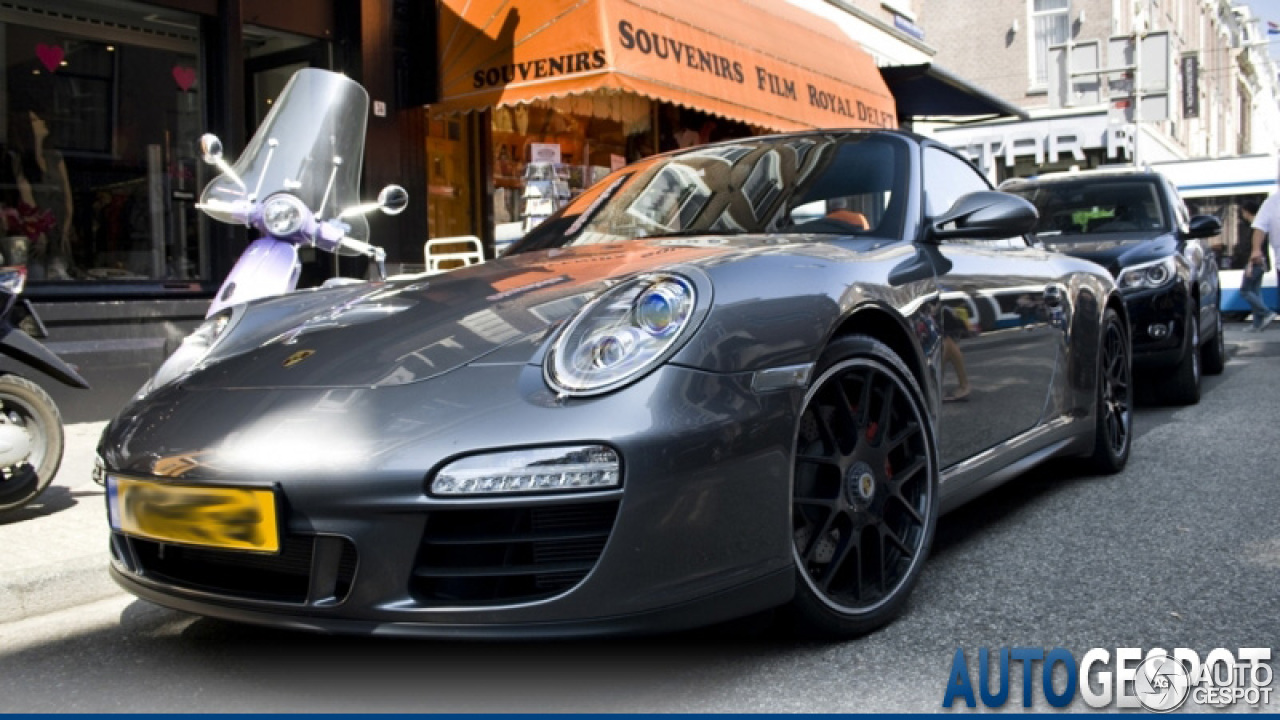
(1056,142)
(539,98)
(103,104)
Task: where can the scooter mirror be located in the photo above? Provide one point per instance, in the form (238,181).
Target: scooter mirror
(393,199)
(211,148)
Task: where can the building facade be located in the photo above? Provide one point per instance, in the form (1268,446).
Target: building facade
(1219,85)
(1187,82)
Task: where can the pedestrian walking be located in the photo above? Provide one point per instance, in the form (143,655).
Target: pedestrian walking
(1254,269)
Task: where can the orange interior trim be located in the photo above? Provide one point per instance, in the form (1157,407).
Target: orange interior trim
(740,59)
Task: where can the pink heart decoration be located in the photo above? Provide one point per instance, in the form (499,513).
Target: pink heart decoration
(50,56)
(184,76)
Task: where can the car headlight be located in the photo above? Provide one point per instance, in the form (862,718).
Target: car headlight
(193,349)
(283,214)
(1148,275)
(621,335)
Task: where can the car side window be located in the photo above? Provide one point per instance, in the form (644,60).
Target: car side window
(947,178)
(1179,207)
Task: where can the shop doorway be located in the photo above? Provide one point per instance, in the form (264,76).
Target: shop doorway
(267,74)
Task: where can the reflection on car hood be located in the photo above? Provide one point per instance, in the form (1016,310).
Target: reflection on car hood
(411,330)
(1116,251)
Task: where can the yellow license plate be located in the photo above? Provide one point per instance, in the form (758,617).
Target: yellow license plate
(218,517)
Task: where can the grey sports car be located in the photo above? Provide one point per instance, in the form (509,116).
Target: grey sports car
(727,379)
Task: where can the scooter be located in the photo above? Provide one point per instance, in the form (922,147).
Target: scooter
(295,183)
(31,436)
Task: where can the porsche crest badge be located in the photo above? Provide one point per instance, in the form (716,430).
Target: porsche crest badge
(297,357)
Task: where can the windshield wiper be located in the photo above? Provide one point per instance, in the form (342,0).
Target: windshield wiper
(689,232)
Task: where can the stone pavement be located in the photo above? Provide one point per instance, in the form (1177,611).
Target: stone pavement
(55,551)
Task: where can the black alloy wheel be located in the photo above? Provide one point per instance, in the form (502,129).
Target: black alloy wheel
(1113,437)
(864,492)
(1213,356)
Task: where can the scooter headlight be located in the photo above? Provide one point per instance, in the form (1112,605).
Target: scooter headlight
(283,214)
(194,348)
(621,335)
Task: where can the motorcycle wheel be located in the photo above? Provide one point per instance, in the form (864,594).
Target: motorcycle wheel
(25,404)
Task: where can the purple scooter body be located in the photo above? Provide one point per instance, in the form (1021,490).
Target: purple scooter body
(296,184)
(269,266)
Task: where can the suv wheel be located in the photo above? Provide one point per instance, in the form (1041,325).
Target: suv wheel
(1213,356)
(1183,385)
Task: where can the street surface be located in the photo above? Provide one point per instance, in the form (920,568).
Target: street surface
(1180,550)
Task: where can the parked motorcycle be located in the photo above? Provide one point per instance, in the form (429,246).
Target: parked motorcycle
(31,436)
(296,184)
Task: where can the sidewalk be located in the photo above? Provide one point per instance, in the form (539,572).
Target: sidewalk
(56,550)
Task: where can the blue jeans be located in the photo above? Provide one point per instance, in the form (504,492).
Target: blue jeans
(1251,291)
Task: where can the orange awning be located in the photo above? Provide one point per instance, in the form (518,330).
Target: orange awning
(774,65)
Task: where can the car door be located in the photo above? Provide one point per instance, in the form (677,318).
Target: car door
(997,304)
(1204,266)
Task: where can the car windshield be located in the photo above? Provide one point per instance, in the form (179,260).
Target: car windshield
(839,184)
(1079,209)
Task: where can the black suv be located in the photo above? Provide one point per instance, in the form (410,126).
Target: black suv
(1133,223)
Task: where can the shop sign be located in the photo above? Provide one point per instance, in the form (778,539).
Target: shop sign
(504,52)
(1043,142)
(766,80)
(544,152)
(1190,86)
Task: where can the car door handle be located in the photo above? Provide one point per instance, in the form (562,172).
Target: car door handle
(1053,296)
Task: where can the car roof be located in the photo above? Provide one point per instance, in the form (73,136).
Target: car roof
(1118,173)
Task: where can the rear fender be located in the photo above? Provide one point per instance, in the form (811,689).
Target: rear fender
(21,347)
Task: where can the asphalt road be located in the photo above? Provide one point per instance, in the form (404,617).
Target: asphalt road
(1180,550)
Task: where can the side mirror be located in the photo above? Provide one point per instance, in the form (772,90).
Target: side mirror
(393,199)
(1203,226)
(211,148)
(985,214)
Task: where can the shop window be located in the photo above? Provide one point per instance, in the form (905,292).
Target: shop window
(99,168)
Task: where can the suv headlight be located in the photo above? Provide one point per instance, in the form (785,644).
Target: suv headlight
(194,348)
(1148,275)
(622,334)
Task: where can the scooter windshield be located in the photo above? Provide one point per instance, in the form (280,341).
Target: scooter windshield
(311,145)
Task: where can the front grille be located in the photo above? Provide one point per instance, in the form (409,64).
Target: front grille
(487,556)
(307,568)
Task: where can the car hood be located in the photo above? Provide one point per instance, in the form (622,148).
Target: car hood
(1114,253)
(410,330)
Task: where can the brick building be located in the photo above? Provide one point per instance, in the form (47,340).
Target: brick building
(1222,97)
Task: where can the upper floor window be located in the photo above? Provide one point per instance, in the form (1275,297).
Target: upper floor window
(1050,25)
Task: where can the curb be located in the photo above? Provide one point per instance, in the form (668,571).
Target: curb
(74,582)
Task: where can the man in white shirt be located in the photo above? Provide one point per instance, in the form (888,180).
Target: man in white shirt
(1266,226)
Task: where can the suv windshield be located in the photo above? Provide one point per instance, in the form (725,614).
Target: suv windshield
(843,184)
(1092,207)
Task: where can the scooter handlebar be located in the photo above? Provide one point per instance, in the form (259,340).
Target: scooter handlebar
(373,252)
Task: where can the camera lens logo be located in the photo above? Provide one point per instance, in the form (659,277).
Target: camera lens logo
(1161,684)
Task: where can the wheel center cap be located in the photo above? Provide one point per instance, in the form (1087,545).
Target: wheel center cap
(860,483)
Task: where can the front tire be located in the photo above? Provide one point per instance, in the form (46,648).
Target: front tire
(864,500)
(1213,356)
(26,405)
(1113,428)
(1183,385)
